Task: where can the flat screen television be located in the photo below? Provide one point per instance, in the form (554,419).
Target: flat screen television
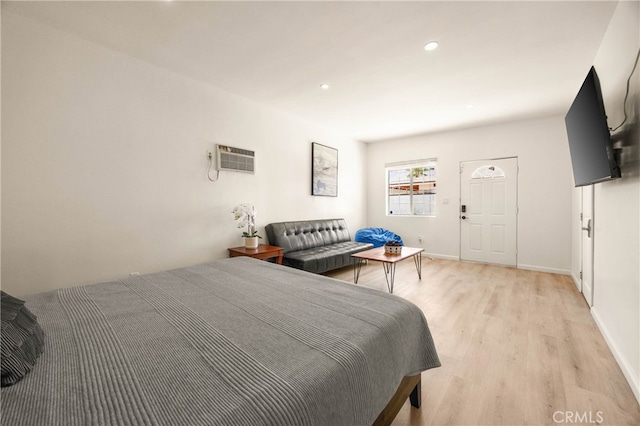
(592,154)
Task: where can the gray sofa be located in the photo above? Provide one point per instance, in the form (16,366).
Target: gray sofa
(314,245)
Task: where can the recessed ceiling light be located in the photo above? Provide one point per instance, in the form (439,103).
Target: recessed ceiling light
(432,45)
(324,86)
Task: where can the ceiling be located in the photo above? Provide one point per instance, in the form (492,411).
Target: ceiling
(510,60)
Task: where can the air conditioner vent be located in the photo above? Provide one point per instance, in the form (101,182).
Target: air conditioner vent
(235,159)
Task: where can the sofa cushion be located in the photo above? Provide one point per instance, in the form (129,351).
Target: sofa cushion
(324,258)
(306,234)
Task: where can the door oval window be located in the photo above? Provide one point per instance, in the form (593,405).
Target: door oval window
(487,172)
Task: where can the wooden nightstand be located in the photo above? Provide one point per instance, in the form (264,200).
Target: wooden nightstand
(263,251)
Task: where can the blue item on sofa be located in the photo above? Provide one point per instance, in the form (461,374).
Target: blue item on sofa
(376,236)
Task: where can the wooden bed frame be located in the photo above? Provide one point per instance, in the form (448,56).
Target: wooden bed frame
(410,387)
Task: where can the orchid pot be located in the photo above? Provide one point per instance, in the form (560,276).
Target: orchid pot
(251,242)
(246,215)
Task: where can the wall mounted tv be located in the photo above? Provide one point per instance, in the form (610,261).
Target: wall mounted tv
(592,155)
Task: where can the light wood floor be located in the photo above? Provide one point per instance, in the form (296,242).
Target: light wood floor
(517,348)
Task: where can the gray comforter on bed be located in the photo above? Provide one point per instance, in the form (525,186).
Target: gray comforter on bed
(231,342)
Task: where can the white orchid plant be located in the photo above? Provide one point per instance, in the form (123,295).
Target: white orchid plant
(246,214)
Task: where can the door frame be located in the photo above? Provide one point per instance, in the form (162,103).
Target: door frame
(517,208)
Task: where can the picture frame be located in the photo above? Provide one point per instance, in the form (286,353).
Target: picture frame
(324,170)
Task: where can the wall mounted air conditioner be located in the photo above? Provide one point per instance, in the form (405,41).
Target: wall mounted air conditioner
(235,159)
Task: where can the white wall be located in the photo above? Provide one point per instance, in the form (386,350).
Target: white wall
(544,188)
(104,164)
(0,154)
(616,306)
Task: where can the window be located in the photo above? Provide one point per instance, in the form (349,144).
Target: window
(488,172)
(411,189)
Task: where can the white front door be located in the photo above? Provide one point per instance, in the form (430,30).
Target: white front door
(488,211)
(587,244)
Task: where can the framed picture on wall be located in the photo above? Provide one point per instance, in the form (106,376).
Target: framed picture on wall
(324,170)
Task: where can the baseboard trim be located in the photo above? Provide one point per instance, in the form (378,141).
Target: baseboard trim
(519,266)
(622,363)
(544,269)
(440,256)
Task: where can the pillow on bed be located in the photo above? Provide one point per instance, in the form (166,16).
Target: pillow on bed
(22,340)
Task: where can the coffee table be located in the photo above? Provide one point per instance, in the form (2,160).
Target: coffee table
(388,262)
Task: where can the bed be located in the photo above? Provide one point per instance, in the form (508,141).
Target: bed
(231,342)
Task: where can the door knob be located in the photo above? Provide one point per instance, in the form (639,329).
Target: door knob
(588,228)
(463,217)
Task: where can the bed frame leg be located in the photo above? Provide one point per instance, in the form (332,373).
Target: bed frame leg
(409,387)
(415,397)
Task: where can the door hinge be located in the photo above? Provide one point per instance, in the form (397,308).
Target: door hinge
(581,216)
(580,275)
